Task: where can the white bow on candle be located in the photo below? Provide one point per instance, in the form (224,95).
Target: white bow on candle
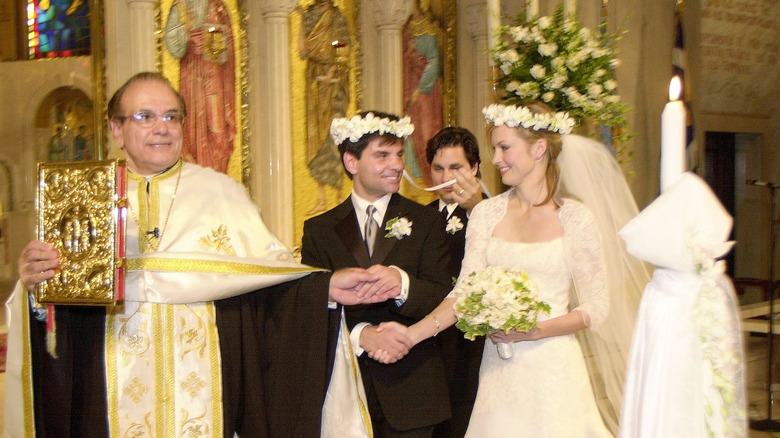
(673,136)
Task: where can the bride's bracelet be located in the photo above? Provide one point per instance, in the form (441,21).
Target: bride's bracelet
(435,321)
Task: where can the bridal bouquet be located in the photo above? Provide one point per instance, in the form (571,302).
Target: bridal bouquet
(497,299)
(558,61)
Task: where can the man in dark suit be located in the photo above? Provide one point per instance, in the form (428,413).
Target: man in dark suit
(453,154)
(406,245)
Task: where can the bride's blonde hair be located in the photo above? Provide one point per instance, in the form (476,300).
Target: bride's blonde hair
(554,146)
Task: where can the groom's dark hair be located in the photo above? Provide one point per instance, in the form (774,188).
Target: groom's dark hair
(356,147)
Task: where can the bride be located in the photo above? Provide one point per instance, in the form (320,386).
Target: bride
(563,245)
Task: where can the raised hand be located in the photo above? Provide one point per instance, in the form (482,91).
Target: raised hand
(467,192)
(38,262)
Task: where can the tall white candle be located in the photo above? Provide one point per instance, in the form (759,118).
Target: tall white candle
(531,8)
(569,7)
(672,137)
(493,21)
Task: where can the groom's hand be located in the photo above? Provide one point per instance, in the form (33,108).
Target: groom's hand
(387,285)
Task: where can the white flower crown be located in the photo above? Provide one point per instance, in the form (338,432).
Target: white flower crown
(514,116)
(356,127)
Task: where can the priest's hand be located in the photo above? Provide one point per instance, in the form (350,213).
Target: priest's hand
(38,262)
(353,286)
(386,346)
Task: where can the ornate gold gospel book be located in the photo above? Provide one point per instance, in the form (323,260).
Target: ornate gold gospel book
(81,212)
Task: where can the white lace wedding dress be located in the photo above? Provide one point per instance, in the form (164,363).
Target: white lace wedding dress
(544,390)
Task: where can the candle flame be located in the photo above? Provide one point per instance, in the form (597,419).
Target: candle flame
(675,86)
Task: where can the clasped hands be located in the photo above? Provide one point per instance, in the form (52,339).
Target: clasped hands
(376,284)
(392,340)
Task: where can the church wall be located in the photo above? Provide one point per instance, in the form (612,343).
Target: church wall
(736,87)
(729,92)
(23,86)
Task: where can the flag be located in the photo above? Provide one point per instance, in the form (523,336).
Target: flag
(679,65)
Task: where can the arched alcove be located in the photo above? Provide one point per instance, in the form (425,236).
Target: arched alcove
(66,115)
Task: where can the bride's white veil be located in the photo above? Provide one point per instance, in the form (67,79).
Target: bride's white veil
(590,174)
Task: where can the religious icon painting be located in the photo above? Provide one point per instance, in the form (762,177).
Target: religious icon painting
(67,115)
(325,76)
(429,62)
(202,52)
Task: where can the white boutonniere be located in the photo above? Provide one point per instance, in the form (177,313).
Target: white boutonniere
(454,224)
(398,227)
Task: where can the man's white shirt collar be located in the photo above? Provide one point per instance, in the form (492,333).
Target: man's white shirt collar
(450,207)
(361,204)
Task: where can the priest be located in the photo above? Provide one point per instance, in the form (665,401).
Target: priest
(220,331)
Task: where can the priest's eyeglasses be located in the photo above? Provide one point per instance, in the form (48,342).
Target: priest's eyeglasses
(148,119)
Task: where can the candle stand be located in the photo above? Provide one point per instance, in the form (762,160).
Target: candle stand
(768,424)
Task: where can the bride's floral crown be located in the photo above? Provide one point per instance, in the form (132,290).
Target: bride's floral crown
(514,116)
(356,127)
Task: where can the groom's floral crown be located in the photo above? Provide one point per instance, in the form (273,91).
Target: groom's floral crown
(353,129)
(515,115)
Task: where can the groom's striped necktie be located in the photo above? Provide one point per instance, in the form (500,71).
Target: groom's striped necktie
(370,229)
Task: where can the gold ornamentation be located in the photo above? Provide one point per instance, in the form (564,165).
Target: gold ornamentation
(195,426)
(136,389)
(79,214)
(192,334)
(154,236)
(135,343)
(219,240)
(213,266)
(193,384)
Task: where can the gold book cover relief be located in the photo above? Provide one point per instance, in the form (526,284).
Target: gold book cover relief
(81,213)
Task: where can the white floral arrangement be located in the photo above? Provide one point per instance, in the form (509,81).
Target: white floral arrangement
(398,227)
(514,116)
(356,127)
(720,349)
(569,67)
(497,299)
(454,224)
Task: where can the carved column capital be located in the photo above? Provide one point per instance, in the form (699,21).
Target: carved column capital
(141,3)
(276,7)
(390,13)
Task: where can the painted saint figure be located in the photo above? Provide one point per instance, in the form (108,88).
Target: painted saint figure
(422,83)
(325,44)
(199,34)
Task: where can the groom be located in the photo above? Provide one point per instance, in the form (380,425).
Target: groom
(406,245)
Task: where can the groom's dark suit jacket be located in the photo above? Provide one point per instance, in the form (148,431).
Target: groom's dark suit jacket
(412,392)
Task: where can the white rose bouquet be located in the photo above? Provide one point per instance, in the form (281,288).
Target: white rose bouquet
(567,66)
(497,299)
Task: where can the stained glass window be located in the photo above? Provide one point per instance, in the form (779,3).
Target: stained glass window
(58,28)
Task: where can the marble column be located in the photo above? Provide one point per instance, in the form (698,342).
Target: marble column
(271,171)
(485,94)
(390,16)
(142,36)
